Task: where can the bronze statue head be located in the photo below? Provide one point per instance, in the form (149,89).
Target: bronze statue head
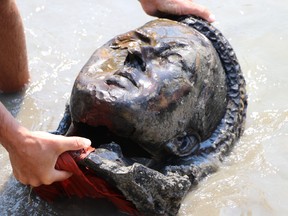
(155,85)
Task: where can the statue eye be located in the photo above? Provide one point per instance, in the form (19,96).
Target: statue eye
(173,57)
(146,38)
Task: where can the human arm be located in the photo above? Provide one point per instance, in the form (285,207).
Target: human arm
(13,56)
(161,8)
(33,155)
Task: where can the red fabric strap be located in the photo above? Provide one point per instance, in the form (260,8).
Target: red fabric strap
(83,183)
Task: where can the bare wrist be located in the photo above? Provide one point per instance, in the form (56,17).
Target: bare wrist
(14,138)
(11,132)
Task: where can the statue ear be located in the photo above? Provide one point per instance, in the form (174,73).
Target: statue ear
(183,145)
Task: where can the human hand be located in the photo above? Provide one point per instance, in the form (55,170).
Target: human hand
(33,161)
(161,8)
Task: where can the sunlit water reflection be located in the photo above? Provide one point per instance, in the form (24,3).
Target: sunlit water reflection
(61,36)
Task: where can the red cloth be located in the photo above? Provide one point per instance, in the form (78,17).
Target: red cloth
(83,183)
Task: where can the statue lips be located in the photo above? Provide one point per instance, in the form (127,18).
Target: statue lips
(129,76)
(122,80)
(118,81)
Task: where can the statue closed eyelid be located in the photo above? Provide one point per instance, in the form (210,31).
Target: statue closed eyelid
(143,36)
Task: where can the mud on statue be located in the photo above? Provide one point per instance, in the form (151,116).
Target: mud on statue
(161,104)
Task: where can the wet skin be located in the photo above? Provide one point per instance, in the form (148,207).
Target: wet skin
(158,86)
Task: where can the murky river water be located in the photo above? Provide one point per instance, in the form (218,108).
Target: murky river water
(61,36)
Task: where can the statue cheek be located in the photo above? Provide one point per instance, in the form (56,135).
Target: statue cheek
(169,97)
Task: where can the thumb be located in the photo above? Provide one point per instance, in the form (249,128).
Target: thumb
(203,12)
(74,143)
(198,10)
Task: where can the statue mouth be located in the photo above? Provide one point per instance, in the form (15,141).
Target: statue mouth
(122,80)
(113,81)
(128,76)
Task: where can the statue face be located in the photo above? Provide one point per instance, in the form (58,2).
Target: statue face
(136,66)
(142,84)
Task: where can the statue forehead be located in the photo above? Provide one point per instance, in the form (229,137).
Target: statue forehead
(161,31)
(162,28)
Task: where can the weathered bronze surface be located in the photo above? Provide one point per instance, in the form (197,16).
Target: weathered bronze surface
(161,104)
(153,85)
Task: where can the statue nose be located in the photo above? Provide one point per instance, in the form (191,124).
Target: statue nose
(135,58)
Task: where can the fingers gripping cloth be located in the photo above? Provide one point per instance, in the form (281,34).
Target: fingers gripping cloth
(83,183)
